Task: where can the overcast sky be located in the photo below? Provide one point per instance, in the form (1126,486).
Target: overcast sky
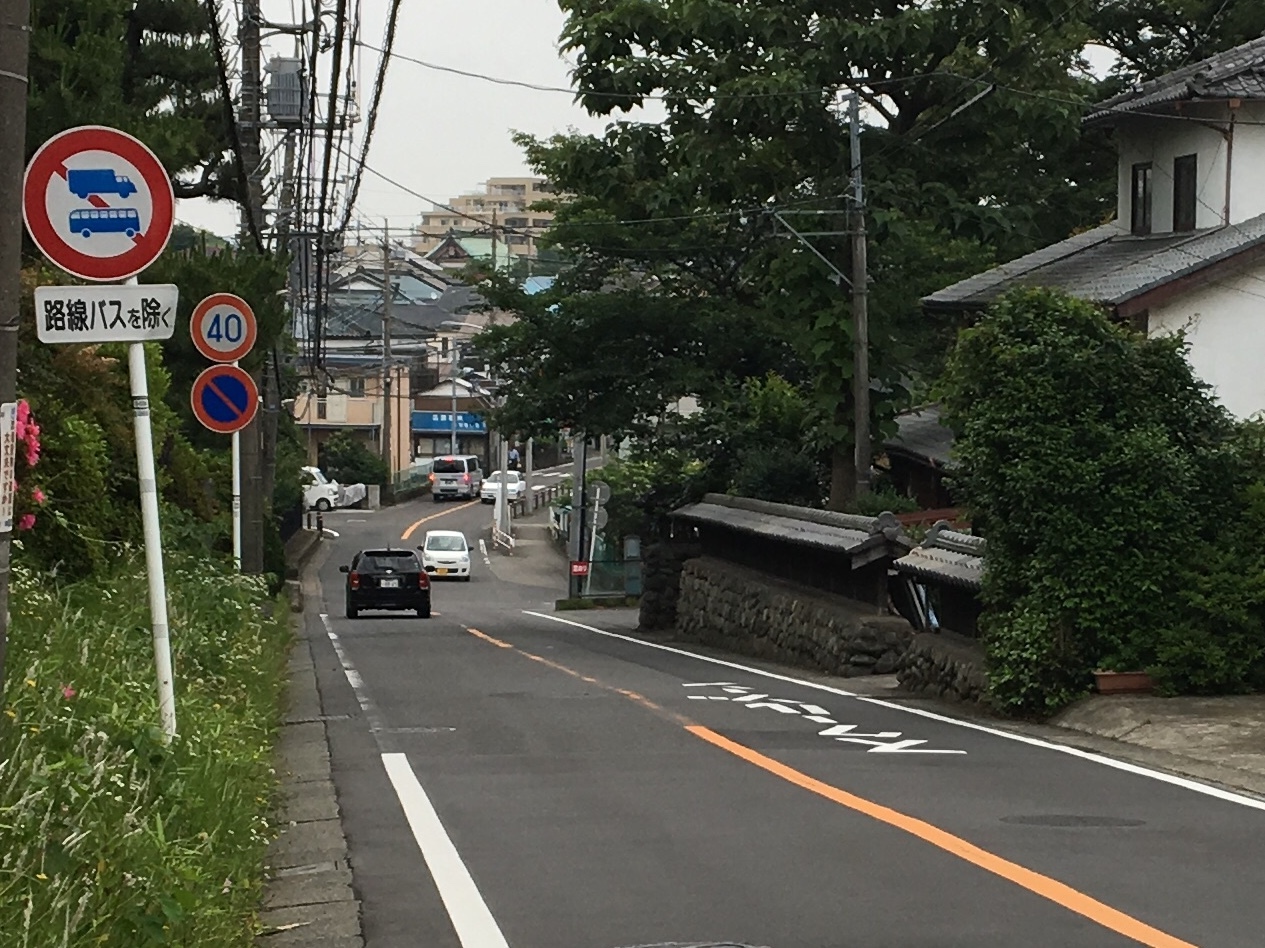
(441,134)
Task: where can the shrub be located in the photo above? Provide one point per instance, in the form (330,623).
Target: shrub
(109,835)
(349,461)
(1088,452)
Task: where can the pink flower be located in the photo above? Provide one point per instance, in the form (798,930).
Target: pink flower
(68,692)
(26,521)
(32,453)
(24,411)
(38,495)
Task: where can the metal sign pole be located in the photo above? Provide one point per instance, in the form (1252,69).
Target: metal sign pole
(237,500)
(153,534)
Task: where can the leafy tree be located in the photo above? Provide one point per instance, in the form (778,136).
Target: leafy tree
(348,460)
(1086,453)
(145,67)
(752,98)
(1153,37)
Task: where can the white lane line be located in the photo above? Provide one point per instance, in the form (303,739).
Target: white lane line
(470,915)
(483,548)
(329,532)
(353,677)
(1185,783)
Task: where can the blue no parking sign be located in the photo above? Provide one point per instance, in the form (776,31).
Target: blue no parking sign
(225,398)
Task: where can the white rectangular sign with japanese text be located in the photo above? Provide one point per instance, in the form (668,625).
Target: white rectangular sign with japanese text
(119,313)
(8,457)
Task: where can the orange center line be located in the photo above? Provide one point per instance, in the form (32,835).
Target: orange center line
(1057,892)
(435,516)
(1051,889)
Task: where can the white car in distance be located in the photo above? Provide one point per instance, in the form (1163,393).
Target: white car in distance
(446,553)
(515,487)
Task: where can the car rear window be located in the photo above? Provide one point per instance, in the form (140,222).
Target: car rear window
(449,466)
(398,560)
(446,544)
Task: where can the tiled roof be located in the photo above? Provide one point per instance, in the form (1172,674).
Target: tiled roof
(920,434)
(946,556)
(822,529)
(1237,73)
(1105,265)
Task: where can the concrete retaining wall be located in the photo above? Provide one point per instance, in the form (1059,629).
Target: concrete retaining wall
(743,610)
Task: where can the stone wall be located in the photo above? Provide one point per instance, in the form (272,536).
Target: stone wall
(944,665)
(661,565)
(743,610)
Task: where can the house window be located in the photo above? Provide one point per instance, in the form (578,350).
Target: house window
(1185,188)
(356,387)
(1141,210)
(322,409)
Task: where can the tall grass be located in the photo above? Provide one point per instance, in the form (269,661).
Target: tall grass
(108,834)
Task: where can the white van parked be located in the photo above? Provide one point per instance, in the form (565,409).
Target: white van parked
(319,491)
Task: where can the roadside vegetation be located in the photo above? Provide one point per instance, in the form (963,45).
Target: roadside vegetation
(109,835)
(1123,506)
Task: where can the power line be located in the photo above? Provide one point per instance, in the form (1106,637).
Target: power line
(876,83)
(372,121)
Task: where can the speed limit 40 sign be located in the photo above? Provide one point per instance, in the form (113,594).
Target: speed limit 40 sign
(223,327)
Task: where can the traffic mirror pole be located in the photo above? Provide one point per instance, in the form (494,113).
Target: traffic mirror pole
(153,534)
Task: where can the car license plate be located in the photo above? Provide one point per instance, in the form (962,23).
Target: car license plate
(390,584)
(441,571)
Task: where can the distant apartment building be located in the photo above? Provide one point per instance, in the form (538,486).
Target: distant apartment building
(503,202)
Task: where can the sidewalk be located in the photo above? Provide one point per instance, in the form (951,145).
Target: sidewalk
(1218,740)
(308,899)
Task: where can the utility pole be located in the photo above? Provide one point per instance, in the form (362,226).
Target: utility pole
(387,294)
(249,121)
(15,40)
(860,308)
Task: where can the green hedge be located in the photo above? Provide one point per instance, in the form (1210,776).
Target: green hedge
(109,835)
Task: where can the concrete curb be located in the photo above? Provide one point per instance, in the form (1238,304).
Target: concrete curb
(308,899)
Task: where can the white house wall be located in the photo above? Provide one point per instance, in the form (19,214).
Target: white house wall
(1224,323)
(1247,185)
(1161,140)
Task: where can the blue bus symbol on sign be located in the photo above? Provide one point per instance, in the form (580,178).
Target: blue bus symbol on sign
(99,181)
(105,221)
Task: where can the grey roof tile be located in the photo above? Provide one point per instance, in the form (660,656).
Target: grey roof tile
(1233,73)
(960,569)
(920,433)
(1105,265)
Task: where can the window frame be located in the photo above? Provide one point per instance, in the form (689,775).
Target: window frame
(1185,192)
(1141,218)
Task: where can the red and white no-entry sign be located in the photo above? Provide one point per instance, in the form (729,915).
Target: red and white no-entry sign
(98,203)
(223,327)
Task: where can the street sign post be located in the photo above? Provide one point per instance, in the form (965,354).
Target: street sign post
(93,314)
(98,203)
(225,398)
(223,329)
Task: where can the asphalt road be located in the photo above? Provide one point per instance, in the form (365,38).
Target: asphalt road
(514,777)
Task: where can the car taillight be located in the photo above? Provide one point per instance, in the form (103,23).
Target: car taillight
(423,581)
(354,578)
(432,477)
(465,478)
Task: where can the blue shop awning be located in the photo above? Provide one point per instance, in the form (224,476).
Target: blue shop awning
(440,422)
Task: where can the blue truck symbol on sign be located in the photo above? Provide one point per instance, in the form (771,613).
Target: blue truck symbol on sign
(99,181)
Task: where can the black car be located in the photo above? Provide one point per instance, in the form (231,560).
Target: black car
(387,579)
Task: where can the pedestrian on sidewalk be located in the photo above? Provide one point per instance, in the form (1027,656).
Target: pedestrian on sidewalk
(513,458)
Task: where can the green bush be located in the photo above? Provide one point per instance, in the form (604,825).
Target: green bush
(347,460)
(109,835)
(1112,488)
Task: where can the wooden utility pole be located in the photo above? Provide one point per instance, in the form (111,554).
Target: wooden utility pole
(15,39)
(860,309)
(387,294)
(248,122)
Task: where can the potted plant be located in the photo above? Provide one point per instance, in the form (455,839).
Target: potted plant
(1120,671)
